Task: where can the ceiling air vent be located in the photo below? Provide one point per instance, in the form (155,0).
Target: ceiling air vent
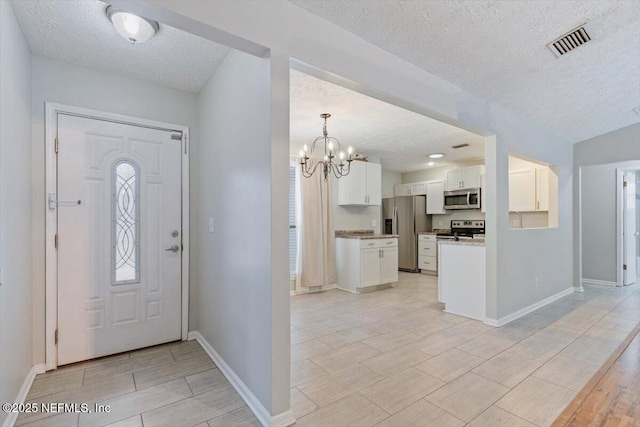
(569,41)
(455,147)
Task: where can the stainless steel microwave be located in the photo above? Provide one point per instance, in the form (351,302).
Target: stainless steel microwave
(462,199)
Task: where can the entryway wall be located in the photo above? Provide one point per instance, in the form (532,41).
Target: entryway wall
(63,83)
(15,208)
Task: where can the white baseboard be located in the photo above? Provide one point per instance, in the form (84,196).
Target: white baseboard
(598,282)
(528,309)
(322,288)
(24,391)
(283,419)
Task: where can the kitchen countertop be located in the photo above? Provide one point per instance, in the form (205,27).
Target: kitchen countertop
(362,234)
(474,242)
(436,231)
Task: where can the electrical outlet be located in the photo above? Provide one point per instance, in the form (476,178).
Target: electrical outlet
(374,223)
(212,225)
(535,282)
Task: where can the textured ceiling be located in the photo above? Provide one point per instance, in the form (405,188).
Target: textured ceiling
(79,32)
(401,139)
(497,50)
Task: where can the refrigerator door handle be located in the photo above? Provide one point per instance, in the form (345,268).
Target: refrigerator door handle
(395,219)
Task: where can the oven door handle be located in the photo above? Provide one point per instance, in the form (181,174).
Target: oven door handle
(468,198)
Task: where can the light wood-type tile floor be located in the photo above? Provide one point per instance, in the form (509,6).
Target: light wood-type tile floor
(173,385)
(385,358)
(394,358)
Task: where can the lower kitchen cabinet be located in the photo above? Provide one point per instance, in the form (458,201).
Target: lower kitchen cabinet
(363,263)
(427,253)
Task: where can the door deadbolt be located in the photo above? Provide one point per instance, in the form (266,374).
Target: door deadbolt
(175,233)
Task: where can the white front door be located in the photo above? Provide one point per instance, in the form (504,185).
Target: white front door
(629,228)
(118,211)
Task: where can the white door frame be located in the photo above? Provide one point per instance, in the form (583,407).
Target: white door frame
(619,223)
(51,257)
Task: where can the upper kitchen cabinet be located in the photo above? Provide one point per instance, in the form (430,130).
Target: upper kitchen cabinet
(529,190)
(413,189)
(542,189)
(363,185)
(522,190)
(467,177)
(435,197)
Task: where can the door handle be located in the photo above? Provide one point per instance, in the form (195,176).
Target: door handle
(174,249)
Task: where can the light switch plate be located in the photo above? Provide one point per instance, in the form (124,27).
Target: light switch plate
(374,223)
(212,227)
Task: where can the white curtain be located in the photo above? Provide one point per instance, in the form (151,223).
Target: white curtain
(316,263)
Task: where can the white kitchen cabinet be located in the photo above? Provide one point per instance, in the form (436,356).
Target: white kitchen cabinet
(401,190)
(454,179)
(412,189)
(369,267)
(388,265)
(467,177)
(363,263)
(435,197)
(529,190)
(542,189)
(428,253)
(363,185)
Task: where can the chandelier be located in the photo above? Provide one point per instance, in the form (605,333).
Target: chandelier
(329,165)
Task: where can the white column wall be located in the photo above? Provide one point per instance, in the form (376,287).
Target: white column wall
(234,264)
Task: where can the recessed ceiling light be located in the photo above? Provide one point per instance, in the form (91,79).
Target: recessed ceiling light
(133,28)
(436,155)
(430,164)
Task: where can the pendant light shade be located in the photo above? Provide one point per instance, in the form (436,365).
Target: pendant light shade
(132,27)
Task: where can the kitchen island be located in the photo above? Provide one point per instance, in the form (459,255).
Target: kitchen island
(366,261)
(462,277)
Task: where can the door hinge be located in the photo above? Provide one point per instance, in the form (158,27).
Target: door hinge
(55,145)
(624,184)
(55,338)
(55,241)
(624,266)
(185,145)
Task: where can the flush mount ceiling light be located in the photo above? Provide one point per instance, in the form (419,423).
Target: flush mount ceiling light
(133,28)
(436,155)
(328,162)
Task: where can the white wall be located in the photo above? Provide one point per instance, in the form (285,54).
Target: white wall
(613,147)
(233,266)
(514,258)
(389,180)
(15,208)
(68,84)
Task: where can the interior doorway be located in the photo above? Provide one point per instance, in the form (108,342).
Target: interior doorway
(116,234)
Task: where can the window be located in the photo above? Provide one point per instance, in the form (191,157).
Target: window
(125,200)
(293,242)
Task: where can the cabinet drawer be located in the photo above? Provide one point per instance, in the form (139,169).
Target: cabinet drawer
(427,263)
(427,238)
(378,243)
(427,248)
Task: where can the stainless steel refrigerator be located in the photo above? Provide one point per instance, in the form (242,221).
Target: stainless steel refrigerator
(406,216)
